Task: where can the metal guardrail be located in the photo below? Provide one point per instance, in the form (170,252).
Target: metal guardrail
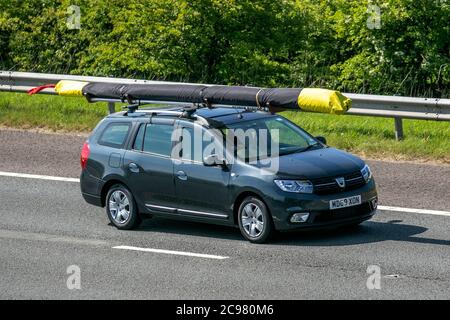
(363,104)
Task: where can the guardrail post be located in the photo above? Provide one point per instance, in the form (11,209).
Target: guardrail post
(398,128)
(111,107)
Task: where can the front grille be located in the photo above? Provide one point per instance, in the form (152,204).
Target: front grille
(329,185)
(350,212)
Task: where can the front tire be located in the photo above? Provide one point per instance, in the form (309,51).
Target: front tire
(121,208)
(255,221)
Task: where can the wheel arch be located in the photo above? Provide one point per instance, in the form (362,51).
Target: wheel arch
(108,184)
(240,197)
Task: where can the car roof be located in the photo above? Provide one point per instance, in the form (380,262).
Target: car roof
(229,116)
(217,117)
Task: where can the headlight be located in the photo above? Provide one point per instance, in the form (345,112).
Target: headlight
(298,186)
(366,173)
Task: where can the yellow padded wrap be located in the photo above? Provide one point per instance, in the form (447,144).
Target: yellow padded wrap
(324,101)
(70,88)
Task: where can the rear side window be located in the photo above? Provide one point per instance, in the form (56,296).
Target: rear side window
(115,135)
(158,139)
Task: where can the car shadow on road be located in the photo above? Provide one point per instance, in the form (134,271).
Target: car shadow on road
(179,227)
(367,232)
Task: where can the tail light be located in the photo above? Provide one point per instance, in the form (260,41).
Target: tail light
(84,155)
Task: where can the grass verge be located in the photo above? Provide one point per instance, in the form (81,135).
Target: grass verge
(367,136)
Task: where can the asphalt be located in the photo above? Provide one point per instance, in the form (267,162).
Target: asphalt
(45,227)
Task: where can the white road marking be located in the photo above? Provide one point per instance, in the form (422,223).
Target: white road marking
(64,179)
(410,210)
(31,236)
(179,253)
(36,176)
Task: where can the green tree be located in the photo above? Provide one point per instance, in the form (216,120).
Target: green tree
(325,43)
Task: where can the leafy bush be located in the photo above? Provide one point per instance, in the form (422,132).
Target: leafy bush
(254,42)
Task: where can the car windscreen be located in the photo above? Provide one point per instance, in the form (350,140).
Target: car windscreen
(267,137)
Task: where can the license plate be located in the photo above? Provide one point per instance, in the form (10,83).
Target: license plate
(345,202)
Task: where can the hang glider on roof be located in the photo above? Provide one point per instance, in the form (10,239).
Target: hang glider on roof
(273,99)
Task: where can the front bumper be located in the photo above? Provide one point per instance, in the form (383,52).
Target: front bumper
(283,205)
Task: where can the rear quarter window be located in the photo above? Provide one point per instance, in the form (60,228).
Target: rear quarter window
(139,140)
(115,135)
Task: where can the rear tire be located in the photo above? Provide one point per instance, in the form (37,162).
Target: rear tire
(121,208)
(255,221)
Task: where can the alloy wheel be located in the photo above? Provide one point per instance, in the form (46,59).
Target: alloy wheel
(119,207)
(252,220)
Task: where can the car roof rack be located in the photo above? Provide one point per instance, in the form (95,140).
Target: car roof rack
(187,108)
(186,112)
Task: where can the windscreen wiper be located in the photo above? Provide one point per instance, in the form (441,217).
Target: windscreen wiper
(298,149)
(291,150)
(309,147)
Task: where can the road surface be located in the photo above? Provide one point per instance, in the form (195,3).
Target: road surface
(46,227)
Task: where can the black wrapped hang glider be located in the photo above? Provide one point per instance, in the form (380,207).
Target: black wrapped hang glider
(209,95)
(309,99)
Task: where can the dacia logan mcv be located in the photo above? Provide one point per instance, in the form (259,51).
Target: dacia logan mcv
(149,163)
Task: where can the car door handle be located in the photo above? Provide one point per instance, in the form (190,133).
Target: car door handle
(133,167)
(182,175)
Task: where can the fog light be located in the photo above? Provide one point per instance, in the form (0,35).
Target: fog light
(300,217)
(374,203)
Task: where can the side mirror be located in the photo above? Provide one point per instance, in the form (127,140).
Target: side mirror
(213,160)
(322,139)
